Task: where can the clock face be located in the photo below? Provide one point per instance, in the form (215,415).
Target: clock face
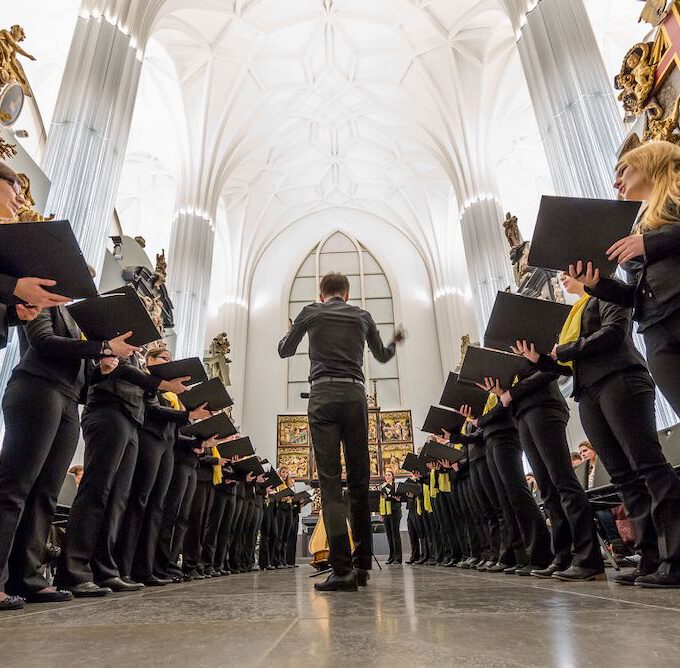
(11,104)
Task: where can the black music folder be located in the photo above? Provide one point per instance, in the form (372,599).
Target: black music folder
(574,228)
(46,250)
(212,392)
(302,496)
(192,367)
(272,479)
(516,317)
(239,447)
(457,394)
(218,425)
(286,491)
(482,362)
(409,487)
(439,418)
(249,465)
(414,464)
(113,313)
(439,451)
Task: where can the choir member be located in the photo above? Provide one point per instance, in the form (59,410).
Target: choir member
(390,509)
(650,257)
(284,519)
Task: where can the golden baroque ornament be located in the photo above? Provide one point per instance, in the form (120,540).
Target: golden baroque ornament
(636,79)
(26,213)
(663,129)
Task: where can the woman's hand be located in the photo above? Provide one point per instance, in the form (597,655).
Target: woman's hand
(466,412)
(589,277)
(526,350)
(120,347)
(447,435)
(250,476)
(553,352)
(175,385)
(27,313)
(491,385)
(627,248)
(108,364)
(200,413)
(505,398)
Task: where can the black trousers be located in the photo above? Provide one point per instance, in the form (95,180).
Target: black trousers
(225,534)
(456,526)
(284,520)
(392,522)
(472,523)
(176,513)
(413,533)
(526,531)
(338,413)
(291,548)
(250,536)
(463,532)
(111,447)
(212,531)
(268,536)
(618,417)
(41,436)
(198,519)
(663,357)
(492,515)
(139,531)
(236,541)
(542,431)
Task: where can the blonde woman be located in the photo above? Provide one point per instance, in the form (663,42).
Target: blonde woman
(651,258)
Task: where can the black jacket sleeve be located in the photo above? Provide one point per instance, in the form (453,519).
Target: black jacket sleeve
(40,334)
(380,351)
(614,291)
(7,286)
(531,384)
(662,243)
(130,373)
(289,343)
(158,412)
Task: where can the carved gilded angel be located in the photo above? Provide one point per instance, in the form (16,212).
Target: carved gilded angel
(10,68)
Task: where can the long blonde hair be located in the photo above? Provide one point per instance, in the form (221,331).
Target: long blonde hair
(659,164)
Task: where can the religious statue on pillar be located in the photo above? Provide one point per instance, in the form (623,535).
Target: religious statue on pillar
(531,281)
(10,68)
(7,150)
(217,361)
(26,213)
(161,273)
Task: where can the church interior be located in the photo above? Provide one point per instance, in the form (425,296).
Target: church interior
(497,181)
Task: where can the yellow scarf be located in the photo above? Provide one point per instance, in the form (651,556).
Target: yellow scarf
(385,506)
(426,498)
(433,483)
(571,331)
(491,403)
(444,482)
(419,506)
(217,468)
(173,399)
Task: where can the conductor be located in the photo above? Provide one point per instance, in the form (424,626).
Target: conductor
(338,413)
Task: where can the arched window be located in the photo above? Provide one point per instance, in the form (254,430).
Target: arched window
(369,289)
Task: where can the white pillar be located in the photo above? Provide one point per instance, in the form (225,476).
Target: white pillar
(88,136)
(572,98)
(189,269)
(486,254)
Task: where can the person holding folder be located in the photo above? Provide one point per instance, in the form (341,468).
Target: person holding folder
(390,509)
(615,395)
(284,518)
(113,413)
(650,256)
(163,416)
(338,413)
(42,427)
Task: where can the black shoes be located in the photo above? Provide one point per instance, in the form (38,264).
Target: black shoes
(270,568)
(58,596)
(389,561)
(154,581)
(119,585)
(193,574)
(497,568)
(579,574)
(548,572)
(12,603)
(511,570)
(335,582)
(88,590)
(659,580)
(526,570)
(363,576)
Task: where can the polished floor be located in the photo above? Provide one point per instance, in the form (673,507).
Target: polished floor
(408,616)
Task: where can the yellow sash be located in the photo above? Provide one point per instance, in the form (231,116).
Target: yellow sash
(217,468)
(385,506)
(491,403)
(444,482)
(571,331)
(426,498)
(433,483)
(173,399)
(419,506)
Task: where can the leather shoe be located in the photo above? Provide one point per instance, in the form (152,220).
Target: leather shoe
(118,585)
(548,571)
(270,568)
(579,574)
(212,573)
(497,568)
(525,570)
(154,581)
(659,580)
(58,596)
(12,603)
(511,570)
(389,561)
(363,576)
(88,590)
(225,571)
(411,561)
(193,574)
(335,582)
(629,578)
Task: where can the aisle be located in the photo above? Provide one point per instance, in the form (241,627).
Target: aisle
(415,616)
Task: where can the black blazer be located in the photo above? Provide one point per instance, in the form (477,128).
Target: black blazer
(497,420)
(653,286)
(604,347)
(536,388)
(52,349)
(160,419)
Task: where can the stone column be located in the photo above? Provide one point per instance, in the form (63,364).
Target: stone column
(486,254)
(572,97)
(189,269)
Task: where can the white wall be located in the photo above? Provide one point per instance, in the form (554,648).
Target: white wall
(420,368)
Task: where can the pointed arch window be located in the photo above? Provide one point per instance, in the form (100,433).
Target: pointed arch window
(369,289)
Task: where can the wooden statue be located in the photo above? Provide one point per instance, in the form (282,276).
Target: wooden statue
(26,213)
(10,68)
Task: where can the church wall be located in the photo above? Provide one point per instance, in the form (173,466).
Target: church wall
(420,366)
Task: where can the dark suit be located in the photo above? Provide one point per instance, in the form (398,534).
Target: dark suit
(42,428)
(7,312)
